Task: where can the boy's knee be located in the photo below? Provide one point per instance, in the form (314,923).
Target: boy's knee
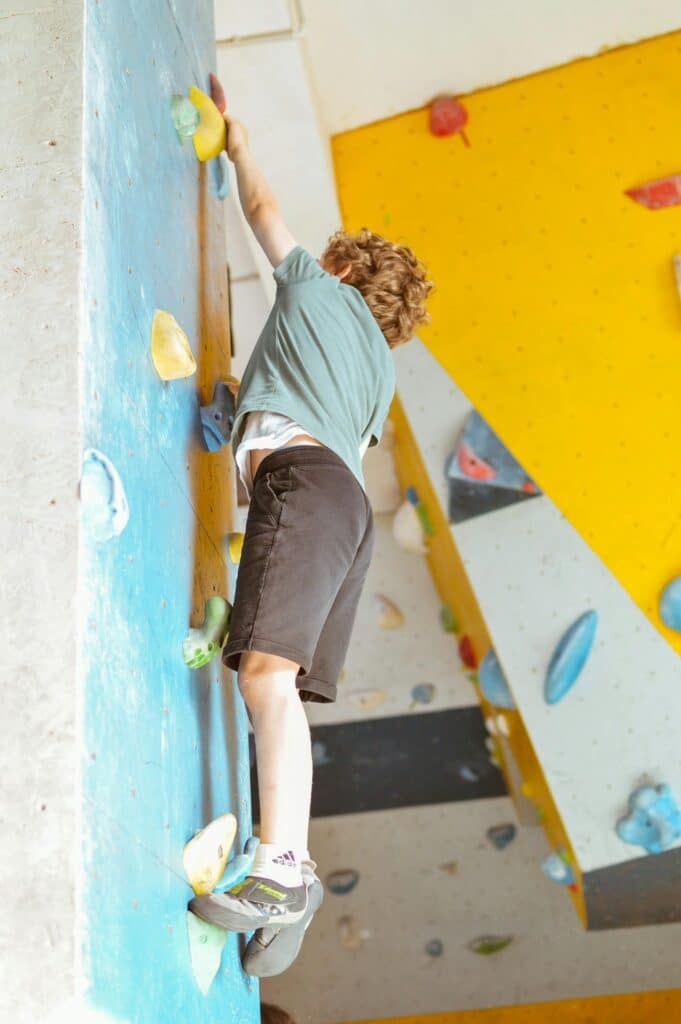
(263,678)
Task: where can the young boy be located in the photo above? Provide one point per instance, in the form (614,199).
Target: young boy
(313,398)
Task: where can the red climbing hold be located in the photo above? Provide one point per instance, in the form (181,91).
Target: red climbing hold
(472,465)
(448,116)
(466,652)
(655,195)
(529,487)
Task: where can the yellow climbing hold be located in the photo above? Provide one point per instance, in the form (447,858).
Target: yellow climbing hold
(210,137)
(170,351)
(236,543)
(204,857)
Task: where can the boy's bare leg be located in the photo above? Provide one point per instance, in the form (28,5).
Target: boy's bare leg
(283,748)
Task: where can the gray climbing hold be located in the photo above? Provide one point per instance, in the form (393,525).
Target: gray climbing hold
(501,835)
(342,882)
(435,948)
(217,419)
(469,774)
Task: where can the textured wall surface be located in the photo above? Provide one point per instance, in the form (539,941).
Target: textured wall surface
(40,206)
(164,747)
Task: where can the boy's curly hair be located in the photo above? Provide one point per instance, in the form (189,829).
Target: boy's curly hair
(271,1014)
(389,276)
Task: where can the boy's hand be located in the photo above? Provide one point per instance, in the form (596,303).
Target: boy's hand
(237,136)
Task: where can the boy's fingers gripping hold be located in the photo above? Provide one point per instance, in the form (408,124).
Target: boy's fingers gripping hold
(217,93)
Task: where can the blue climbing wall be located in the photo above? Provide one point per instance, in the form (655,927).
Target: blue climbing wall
(165,748)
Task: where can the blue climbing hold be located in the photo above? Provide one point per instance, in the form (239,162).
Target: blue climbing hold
(342,882)
(670,604)
(422,693)
(569,657)
(104,506)
(654,819)
(320,754)
(217,419)
(501,835)
(557,868)
(492,682)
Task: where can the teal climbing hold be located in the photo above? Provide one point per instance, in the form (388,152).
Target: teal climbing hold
(492,682)
(238,867)
(206,942)
(569,657)
(670,604)
(185,116)
(654,819)
(422,693)
(342,882)
(501,835)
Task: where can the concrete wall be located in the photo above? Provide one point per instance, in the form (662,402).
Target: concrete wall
(40,254)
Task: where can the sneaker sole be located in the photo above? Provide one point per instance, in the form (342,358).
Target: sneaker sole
(266,961)
(212,909)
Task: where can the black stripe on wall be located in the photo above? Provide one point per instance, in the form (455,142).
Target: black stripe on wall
(642,891)
(405,761)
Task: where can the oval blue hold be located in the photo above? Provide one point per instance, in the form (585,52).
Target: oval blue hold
(569,657)
(501,835)
(493,683)
(342,882)
(670,604)
(435,947)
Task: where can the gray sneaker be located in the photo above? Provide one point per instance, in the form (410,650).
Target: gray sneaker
(253,903)
(272,950)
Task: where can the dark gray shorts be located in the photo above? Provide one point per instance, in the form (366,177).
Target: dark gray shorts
(308,544)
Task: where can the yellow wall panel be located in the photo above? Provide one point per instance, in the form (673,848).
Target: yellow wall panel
(555,307)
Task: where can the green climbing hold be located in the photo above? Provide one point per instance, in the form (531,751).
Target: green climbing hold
(201,645)
(447,620)
(206,942)
(485,945)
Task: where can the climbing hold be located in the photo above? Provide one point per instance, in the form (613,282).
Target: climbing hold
(407,529)
(217,419)
(676,259)
(185,116)
(468,773)
(201,645)
(503,726)
(450,868)
(239,867)
(491,727)
(206,942)
(493,682)
(471,465)
(104,506)
(351,937)
(413,498)
(210,136)
(447,620)
(319,753)
(366,700)
(434,948)
(656,195)
(233,545)
(222,171)
(670,604)
(569,657)
(501,835)
(342,882)
(494,752)
(557,868)
(205,855)
(448,116)
(654,819)
(487,944)
(389,615)
(422,693)
(466,652)
(482,474)
(170,351)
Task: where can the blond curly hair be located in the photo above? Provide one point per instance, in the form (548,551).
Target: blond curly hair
(389,276)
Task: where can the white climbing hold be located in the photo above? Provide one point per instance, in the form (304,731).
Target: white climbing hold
(367,700)
(407,529)
(389,615)
(104,506)
(351,937)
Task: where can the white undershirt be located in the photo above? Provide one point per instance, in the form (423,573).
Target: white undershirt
(270,430)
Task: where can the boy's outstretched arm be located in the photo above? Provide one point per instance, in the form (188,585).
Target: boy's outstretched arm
(257,198)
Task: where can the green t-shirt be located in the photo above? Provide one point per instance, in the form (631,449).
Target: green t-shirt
(322,360)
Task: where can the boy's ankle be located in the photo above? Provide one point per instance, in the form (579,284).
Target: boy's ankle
(282,864)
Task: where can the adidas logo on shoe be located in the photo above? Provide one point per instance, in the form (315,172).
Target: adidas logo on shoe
(287,859)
